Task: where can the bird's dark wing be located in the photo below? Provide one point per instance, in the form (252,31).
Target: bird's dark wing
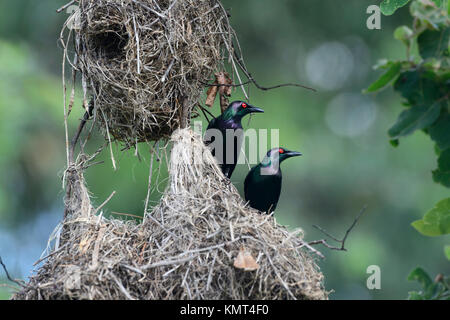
(246,183)
(262,191)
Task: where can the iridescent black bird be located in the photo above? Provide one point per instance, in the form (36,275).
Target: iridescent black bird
(262,186)
(230,120)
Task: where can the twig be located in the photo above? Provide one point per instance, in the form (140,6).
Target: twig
(203,109)
(96,251)
(122,288)
(161,226)
(305,244)
(109,140)
(9,277)
(150,9)
(252,80)
(104,203)
(167,262)
(342,241)
(164,77)
(137,47)
(71,150)
(225,85)
(147,199)
(66,130)
(133,269)
(64,7)
(285,285)
(49,255)
(127,215)
(77,136)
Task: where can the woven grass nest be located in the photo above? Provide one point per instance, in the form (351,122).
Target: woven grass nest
(143,65)
(192,245)
(145,62)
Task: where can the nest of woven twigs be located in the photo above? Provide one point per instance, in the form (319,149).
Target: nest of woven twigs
(200,242)
(145,62)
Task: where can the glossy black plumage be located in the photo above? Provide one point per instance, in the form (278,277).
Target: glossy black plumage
(262,186)
(230,119)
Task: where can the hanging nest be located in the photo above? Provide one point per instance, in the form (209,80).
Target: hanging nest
(200,242)
(144,63)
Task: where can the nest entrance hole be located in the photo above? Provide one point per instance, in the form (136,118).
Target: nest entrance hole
(110,43)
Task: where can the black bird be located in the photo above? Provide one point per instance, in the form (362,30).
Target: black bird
(262,186)
(230,119)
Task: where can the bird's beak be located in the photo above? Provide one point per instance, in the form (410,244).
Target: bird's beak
(253,109)
(293,154)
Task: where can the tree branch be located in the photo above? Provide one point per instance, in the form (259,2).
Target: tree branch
(252,80)
(74,141)
(341,241)
(9,277)
(203,109)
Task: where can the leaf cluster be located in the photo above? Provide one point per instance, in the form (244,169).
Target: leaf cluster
(423,81)
(439,289)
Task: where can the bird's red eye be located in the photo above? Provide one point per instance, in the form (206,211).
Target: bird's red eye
(244,105)
(281,150)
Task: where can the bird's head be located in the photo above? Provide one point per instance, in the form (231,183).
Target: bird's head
(277,155)
(238,109)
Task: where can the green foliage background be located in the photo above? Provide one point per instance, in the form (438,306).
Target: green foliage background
(338,174)
(423,81)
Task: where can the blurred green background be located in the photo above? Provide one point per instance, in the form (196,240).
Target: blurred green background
(347,163)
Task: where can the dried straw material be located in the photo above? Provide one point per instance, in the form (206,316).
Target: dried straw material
(145,62)
(186,247)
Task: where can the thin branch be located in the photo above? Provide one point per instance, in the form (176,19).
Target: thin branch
(252,80)
(74,141)
(164,77)
(64,7)
(317,252)
(9,277)
(122,288)
(147,199)
(225,85)
(104,203)
(203,109)
(127,215)
(341,241)
(49,255)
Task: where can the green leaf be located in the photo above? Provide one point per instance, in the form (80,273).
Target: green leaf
(436,222)
(418,274)
(383,64)
(386,78)
(447,251)
(442,173)
(414,118)
(440,132)
(433,291)
(419,86)
(388,7)
(428,15)
(434,44)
